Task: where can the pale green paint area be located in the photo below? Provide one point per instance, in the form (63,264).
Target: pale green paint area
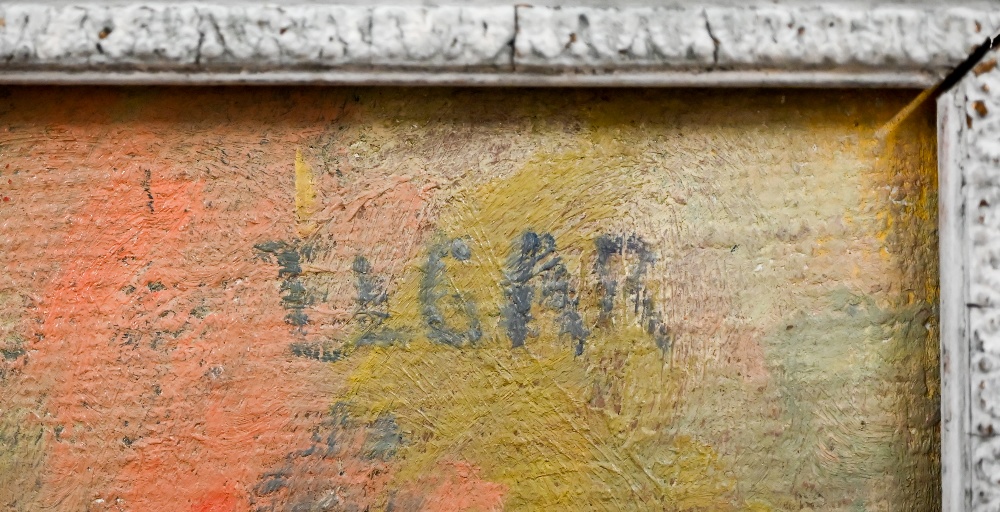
(815,435)
(838,374)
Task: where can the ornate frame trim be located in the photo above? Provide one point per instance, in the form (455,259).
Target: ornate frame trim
(829,43)
(969,219)
(824,44)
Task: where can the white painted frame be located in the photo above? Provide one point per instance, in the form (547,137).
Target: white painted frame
(730,43)
(826,43)
(969,223)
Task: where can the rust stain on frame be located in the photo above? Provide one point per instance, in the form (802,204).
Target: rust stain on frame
(461,300)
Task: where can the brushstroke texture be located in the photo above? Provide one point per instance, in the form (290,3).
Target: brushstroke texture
(281,299)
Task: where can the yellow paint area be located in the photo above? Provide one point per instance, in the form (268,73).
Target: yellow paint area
(305,195)
(525,416)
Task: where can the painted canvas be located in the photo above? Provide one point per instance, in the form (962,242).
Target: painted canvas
(266,299)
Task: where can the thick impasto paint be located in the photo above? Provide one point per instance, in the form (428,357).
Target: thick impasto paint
(466,300)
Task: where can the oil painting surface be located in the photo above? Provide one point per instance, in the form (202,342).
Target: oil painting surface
(466,300)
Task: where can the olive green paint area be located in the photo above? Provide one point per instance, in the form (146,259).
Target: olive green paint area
(22,439)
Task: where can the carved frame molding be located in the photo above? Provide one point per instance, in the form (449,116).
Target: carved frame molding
(828,43)
(969,220)
(825,43)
